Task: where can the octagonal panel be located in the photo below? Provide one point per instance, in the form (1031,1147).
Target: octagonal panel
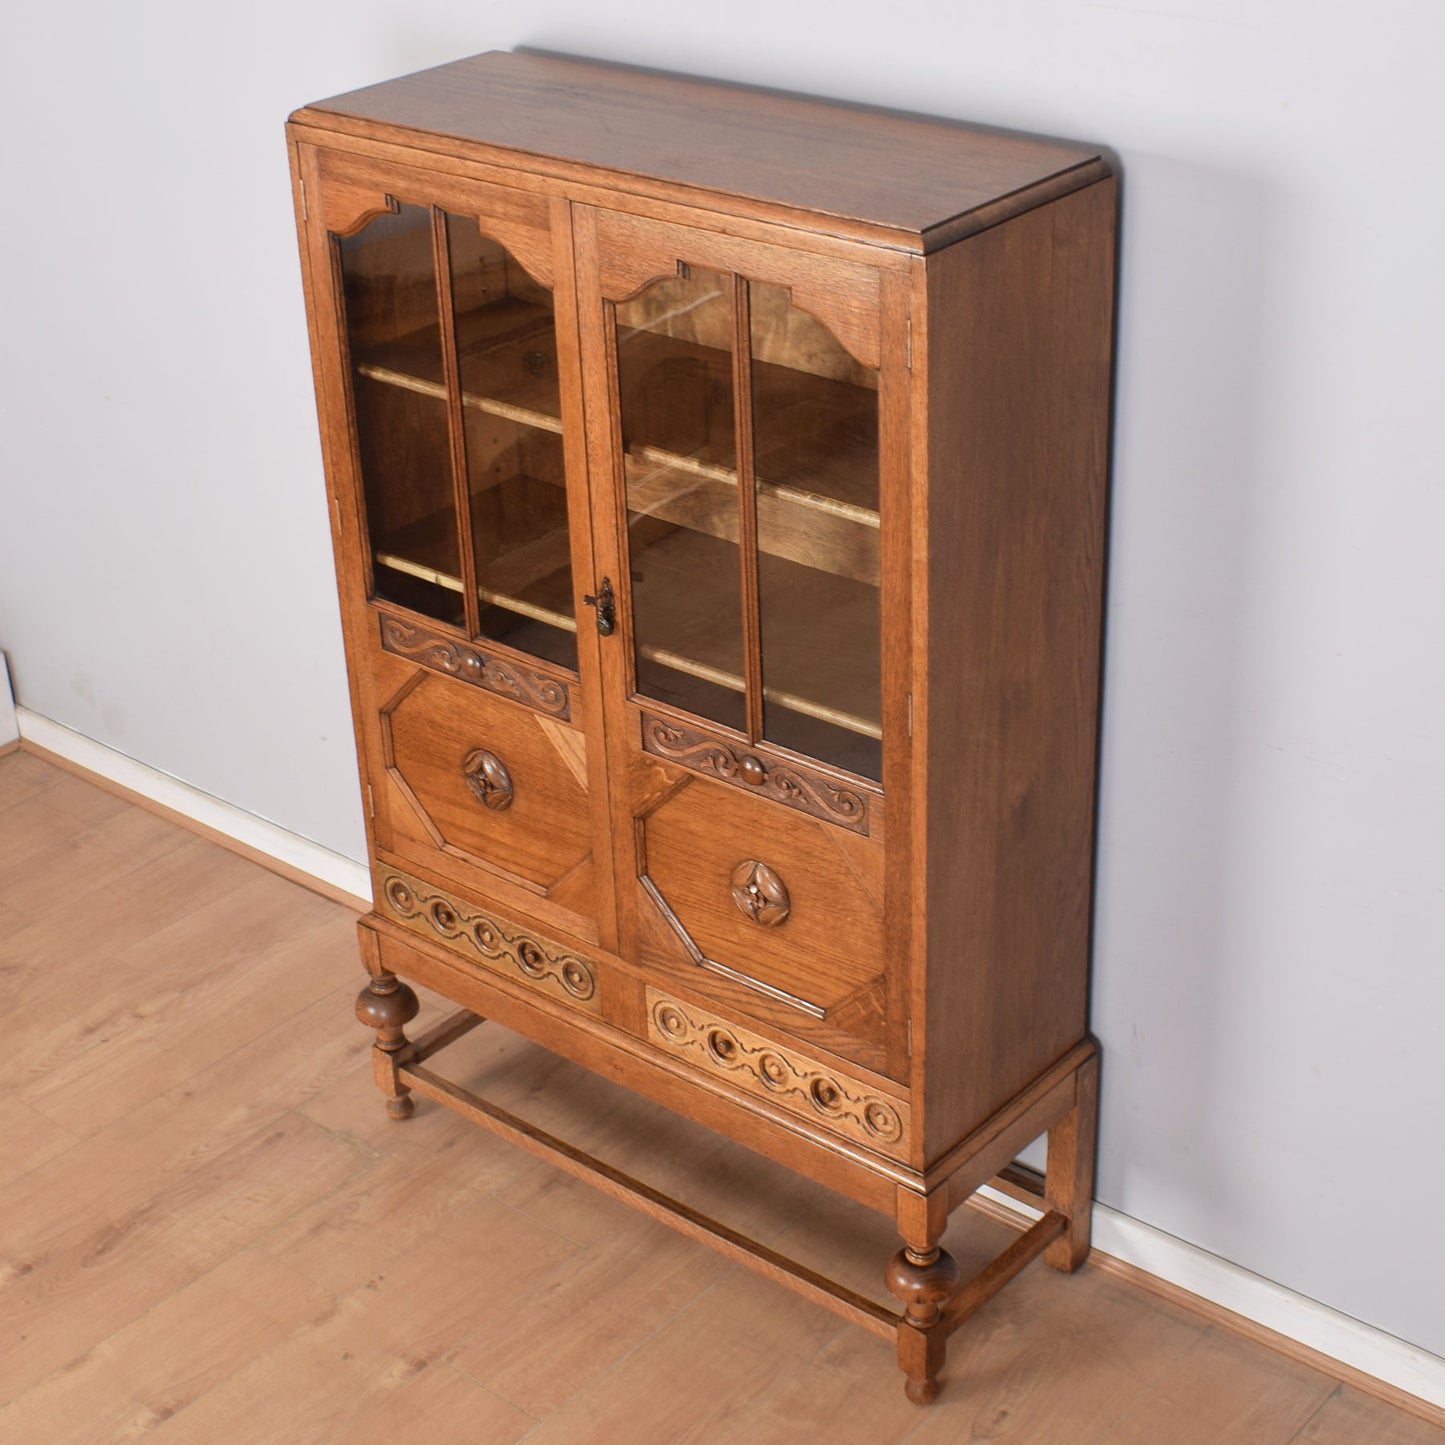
(487,781)
(792,905)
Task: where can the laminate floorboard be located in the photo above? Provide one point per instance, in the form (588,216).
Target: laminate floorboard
(214,1234)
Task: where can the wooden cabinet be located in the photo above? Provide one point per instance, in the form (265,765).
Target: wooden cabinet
(718,489)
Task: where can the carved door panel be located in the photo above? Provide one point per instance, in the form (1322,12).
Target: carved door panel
(768,909)
(742,536)
(487,791)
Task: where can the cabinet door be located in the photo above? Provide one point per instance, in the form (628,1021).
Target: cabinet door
(463,467)
(741,519)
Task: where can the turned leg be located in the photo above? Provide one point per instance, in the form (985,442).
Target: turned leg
(387,1005)
(1069,1180)
(924,1278)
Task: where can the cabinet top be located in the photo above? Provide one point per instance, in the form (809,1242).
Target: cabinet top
(873,175)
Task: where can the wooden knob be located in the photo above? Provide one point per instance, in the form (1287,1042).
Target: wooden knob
(760,893)
(753,771)
(488,779)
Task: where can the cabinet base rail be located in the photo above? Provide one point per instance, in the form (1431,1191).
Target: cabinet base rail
(925,1278)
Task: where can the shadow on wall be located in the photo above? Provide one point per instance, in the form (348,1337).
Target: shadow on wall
(1193,343)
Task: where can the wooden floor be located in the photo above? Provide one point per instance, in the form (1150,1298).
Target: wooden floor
(212,1232)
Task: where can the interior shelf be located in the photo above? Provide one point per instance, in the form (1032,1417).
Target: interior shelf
(801,641)
(506,355)
(811,645)
(818,452)
(533,580)
(815,531)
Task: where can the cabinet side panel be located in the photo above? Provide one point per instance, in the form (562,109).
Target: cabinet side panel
(1019,345)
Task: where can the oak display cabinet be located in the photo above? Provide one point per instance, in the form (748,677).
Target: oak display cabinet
(717,485)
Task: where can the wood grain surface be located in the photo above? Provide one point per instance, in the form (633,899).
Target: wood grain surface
(898,172)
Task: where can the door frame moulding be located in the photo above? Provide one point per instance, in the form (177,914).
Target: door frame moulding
(1326,1339)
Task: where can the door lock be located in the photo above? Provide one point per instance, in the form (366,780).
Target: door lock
(606,605)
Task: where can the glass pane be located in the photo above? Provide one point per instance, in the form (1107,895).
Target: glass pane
(511,416)
(815,422)
(401,419)
(674,359)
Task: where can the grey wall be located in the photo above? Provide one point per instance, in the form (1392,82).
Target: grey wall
(1270,981)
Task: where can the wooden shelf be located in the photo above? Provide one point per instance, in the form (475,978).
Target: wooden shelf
(814,531)
(816,438)
(507,356)
(818,635)
(535,578)
(817,453)
(816,442)
(810,646)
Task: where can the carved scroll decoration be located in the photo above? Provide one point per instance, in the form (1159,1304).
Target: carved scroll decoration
(786,1077)
(782,782)
(459,659)
(508,951)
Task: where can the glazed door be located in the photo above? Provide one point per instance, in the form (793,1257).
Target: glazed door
(464,470)
(740,522)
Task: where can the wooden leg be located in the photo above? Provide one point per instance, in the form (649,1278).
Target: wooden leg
(923,1280)
(1069,1181)
(387,1005)
(923,1277)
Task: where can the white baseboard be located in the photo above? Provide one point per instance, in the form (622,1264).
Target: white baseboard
(1307,1322)
(1357,1346)
(9,723)
(294,852)
(1316,1327)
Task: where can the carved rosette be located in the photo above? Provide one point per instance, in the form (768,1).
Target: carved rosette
(459,659)
(760,893)
(787,1077)
(488,780)
(782,782)
(514,954)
